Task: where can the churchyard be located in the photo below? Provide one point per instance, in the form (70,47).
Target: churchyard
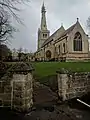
(43,69)
(47,82)
(42,95)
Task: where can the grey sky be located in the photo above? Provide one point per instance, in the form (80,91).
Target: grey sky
(58,11)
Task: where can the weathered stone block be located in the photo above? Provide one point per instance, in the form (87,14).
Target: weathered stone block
(88,82)
(28,93)
(30,77)
(27,106)
(7,89)
(19,77)
(28,85)
(17,86)
(1,96)
(7,103)
(18,101)
(2,89)
(27,100)
(7,96)
(19,94)
(73,84)
(19,108)
(4,83)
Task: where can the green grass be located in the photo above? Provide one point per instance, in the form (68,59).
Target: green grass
(43,69)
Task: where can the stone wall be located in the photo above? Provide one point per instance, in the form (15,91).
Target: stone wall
(16,88)
(72,84)
(5,90)
(22,92)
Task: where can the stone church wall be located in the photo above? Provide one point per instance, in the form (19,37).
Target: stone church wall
(85,42)
(72,84)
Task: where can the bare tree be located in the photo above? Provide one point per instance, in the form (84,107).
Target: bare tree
(8,8)
(5,27)
(11,6)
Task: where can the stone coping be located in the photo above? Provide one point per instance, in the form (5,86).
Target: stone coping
(22,67)
(19,68)
(70,71)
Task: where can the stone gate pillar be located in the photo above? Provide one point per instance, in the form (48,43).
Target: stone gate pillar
(62,83)
(22,87)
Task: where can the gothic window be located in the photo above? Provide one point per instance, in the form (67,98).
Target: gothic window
(59,49)
(64,47)
(77,43)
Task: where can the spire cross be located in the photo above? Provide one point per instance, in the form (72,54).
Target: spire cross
(77,19)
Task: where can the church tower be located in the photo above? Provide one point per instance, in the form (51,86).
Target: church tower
(43,32)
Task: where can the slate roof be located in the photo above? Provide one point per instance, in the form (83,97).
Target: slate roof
(62,35)
(49,40)
(68,30)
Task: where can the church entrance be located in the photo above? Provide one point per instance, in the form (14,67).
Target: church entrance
(48,54)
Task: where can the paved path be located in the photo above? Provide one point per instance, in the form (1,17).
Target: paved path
(43,94)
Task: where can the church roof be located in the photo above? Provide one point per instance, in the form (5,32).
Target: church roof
(51,37)
(68,30)
(61,35)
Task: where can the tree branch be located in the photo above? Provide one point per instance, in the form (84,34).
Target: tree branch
(8,8)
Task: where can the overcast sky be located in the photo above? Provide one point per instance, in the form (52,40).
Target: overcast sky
(58,11)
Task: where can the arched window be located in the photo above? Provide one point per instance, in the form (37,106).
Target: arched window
(59,49)
(48,54)
(77,43)
(44,35)
(64,47)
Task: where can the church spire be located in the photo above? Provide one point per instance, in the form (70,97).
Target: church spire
(43,19)
(43,8)
(43,32)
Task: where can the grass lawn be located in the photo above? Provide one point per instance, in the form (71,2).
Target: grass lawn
(43,69)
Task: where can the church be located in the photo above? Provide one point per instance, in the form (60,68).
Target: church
(63,45)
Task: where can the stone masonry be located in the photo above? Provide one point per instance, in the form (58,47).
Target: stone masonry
(16,88)
(72,84)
